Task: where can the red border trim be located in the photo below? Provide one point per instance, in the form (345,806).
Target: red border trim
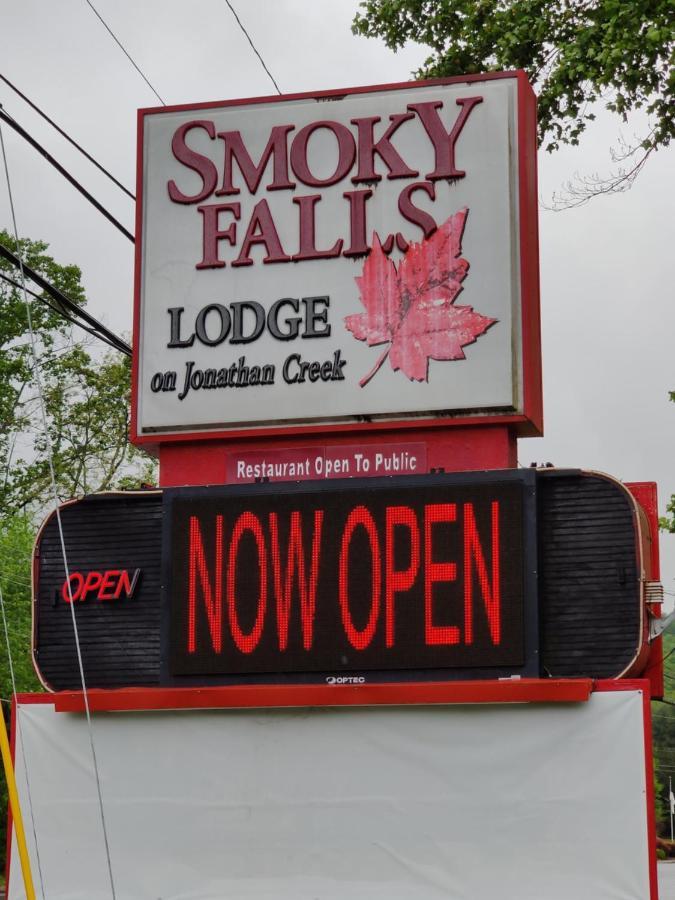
(529,422)
(645,492)
(517,690)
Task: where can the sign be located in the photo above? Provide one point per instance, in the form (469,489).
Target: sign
(590,604)
(337,259)
(112,584)
(311,463)
(356,577)
(386,804)
(114,547)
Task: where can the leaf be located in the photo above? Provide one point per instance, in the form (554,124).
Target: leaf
(433,264)
(412,308)
(380,295)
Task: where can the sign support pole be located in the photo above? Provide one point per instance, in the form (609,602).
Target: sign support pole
(17,819)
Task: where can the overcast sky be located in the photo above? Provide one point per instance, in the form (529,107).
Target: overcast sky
(607,269)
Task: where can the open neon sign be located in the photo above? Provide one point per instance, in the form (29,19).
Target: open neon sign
(111,584)
(351,577)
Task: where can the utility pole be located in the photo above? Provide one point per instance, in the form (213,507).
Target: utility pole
(671,801)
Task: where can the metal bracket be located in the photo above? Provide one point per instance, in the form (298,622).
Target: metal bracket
(653,597)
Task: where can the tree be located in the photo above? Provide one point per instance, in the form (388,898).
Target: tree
(576,53)
(16,545)
(663,737)
(86,399)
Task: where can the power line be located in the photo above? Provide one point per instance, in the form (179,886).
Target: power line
(62,312)
(248,38)
(66,302)
(67,137)
(122,48)
(66,174)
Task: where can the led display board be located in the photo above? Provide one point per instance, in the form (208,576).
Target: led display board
(312,260)
(434,577)
(367,576)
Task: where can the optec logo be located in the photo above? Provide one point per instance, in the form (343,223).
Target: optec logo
(345,679)
(108,585)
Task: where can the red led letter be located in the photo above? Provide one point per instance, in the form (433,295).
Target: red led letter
(396,580)
(360,639)
(213,599)
(247,521)
(296,558)
(490,593)
(433,571)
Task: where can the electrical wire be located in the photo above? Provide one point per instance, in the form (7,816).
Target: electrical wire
(52,474)
(64,301)
(4,115)
(67,137)
(123,49)
(248,38)
(64,314)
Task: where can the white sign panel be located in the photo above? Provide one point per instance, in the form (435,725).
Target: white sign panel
(526,801)
(337,258)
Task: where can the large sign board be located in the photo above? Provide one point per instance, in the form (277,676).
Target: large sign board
(335,259)
(444,577)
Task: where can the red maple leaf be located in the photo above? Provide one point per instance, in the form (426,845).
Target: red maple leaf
(412,308)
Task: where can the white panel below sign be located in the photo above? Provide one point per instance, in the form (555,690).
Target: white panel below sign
(516,802)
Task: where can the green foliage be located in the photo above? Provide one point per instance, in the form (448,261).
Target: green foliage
(86,399)
(667,522)
(613,51)
(16,545)
(663,737)
(86,405)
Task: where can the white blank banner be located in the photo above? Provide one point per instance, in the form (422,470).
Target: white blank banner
(512,802)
